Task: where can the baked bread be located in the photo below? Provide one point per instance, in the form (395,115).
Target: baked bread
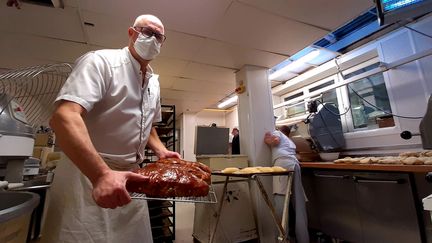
(409,154)
(412,161)
(265,169)
(426,160)
(173,178)
(248,170)
(426,153)
(278,169)
(230,170)
(390,160)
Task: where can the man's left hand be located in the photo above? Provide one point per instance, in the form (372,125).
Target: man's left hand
(169,154)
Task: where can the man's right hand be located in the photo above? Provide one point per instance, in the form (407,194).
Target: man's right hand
(109,190)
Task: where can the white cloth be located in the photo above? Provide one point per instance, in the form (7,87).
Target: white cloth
(285,148)
(299,202)
(280,182)
(121,109)
(284,155)
(73,216)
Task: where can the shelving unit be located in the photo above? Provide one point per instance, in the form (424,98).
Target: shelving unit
(162,213)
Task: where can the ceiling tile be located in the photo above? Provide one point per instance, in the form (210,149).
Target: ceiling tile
(181,46)
(257,29)
(209,73)
(38,20)
(189,16)
(201,86)
(235,56)
(328,14)
(169,66)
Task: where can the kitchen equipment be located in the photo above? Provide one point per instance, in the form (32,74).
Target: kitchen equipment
(325,128)
(320,132)
(331,156)
(15,212)
(425,126)
(26,102)
(425,130)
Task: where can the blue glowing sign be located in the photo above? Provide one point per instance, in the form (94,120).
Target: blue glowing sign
(390,5)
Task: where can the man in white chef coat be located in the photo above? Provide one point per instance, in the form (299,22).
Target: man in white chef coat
(103,122)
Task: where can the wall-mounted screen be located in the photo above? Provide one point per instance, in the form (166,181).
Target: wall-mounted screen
(391,11)
(211,140)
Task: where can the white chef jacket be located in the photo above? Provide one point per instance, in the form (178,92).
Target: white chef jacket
(120,113)
(121,109)
(285,148)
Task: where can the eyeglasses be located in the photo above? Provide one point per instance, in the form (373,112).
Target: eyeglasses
(149,32)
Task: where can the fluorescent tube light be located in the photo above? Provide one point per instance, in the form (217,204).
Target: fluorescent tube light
(296,66)
(228,102)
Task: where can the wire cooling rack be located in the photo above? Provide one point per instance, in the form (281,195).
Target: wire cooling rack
(210,198)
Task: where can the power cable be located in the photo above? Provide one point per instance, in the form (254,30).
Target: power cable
(378,108)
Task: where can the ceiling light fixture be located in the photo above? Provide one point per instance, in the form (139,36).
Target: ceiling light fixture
(296,65)
(228,101)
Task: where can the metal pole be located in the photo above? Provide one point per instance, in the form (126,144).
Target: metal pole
(285,214)
(270,205)
(219,209)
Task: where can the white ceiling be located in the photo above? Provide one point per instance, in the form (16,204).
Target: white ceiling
(207,40)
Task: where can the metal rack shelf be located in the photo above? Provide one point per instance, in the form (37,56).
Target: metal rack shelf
(163,225)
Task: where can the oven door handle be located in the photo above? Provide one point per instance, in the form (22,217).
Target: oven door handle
(332,176)
(369,180)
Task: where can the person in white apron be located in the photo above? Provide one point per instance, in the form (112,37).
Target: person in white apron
(103,122)
(283,155)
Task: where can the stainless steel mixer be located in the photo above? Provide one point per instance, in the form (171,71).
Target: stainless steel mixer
(26,102)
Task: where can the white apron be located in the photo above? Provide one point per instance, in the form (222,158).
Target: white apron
(280,184)
(73,216)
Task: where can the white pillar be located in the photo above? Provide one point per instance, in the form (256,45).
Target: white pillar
(256,117)
(187,136)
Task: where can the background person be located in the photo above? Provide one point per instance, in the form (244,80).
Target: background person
(235,143)
(103,122)
(284,155)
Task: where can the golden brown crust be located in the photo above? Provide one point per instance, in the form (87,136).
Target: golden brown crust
(230,170)
(409,154)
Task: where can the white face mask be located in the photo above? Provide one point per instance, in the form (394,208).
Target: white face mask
(147,47)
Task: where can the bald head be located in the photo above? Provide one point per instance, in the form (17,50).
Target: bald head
(149,20)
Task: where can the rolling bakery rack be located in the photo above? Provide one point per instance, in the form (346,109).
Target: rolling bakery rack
(280,223)
(162,211)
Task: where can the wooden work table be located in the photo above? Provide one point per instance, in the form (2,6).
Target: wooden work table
(367,167)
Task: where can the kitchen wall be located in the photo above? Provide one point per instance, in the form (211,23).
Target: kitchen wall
(231,118)
(188,122)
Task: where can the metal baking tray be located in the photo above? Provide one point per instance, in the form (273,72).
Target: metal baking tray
(251,175)
(210,198)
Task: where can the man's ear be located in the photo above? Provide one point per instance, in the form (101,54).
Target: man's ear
(130,31)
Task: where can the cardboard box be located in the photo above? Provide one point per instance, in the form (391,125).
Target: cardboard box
(37,152)
(43,139)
